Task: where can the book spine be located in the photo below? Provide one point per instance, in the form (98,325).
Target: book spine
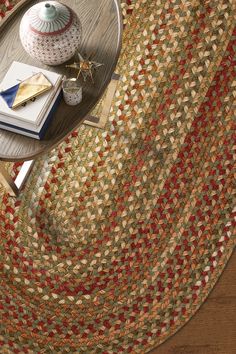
(44,128)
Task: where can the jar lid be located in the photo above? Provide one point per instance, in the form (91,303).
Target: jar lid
(49,17)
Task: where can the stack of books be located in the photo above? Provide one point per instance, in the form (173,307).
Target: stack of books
(33,117)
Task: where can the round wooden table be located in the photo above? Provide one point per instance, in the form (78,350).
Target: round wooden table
(102,31)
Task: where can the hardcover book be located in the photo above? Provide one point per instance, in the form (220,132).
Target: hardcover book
(39,131)
(31,115)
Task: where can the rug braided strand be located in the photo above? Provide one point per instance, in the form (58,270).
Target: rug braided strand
(120,234)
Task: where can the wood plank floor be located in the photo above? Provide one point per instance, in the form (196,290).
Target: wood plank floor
(213,329)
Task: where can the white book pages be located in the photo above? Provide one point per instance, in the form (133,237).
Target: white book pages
(15,130)
(36,129)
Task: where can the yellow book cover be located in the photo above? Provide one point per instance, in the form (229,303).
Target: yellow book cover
(27,89)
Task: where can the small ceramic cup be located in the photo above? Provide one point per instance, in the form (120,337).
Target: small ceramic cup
(72,91)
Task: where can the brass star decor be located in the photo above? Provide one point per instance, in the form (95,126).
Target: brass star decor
(85,67)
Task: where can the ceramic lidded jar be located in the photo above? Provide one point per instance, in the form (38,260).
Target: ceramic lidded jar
(50,32)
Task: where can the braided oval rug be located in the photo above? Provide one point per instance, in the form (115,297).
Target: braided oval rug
(120,234)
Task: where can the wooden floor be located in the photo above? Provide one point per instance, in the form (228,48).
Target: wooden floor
(213,329)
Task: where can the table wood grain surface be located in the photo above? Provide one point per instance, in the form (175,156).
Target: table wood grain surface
(102,32)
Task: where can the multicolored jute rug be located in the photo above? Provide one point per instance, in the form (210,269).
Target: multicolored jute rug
(120,234)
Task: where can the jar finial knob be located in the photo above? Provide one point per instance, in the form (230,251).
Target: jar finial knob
(48,12)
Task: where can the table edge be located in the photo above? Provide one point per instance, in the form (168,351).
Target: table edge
(30,156)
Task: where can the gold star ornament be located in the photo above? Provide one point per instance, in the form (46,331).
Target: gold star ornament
(85,67)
